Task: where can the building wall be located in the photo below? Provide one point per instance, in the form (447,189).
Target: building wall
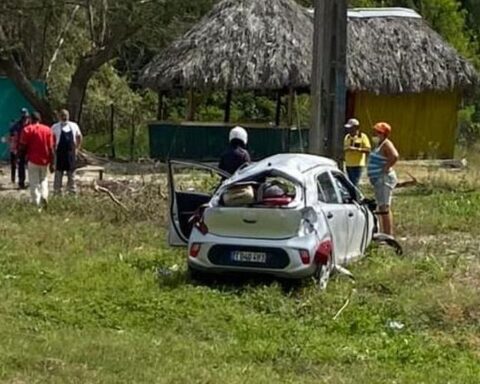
(423,125)
(11,102)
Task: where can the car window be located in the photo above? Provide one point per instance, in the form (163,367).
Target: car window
(189,178)
(348,193)
(326,189)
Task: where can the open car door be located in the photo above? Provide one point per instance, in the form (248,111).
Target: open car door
(190,185)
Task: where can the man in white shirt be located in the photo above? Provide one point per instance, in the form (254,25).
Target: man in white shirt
(68,140)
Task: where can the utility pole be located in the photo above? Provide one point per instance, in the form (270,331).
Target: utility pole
(318,134)
(328,89)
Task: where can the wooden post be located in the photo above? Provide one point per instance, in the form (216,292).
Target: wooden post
(190,106)
(132,138)
(228,106)
(161,106)
(112,131)
(291,98)
(278,111)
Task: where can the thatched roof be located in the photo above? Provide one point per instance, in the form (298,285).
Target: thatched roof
(240,44)
(402,54)
(267,44)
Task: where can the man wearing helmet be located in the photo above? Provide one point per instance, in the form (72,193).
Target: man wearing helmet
(236,154)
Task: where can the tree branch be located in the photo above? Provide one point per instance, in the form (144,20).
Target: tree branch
(91,23)
(103,32)
(60,41)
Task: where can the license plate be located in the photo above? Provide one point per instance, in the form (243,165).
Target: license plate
(249,257)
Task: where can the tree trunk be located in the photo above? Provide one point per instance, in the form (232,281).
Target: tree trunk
(76,91)
(86,68)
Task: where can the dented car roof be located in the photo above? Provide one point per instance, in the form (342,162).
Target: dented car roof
(291,165)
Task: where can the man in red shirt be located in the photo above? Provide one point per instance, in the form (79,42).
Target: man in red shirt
(37,143)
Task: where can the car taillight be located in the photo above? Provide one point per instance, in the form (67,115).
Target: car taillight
(305,256)
(195,249)
(323,252)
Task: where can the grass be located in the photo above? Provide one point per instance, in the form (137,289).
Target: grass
(88,295)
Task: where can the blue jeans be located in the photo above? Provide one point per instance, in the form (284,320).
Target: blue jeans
(354,174)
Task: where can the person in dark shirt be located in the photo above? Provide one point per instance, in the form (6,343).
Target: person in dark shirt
(236,154)
(17,160)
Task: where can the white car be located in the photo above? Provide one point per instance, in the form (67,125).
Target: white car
(289,215)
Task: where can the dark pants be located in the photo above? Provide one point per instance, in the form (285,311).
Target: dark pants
(13,166)
(354,174)
(21,171)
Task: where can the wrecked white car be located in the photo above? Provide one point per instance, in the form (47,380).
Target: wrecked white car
(289,215)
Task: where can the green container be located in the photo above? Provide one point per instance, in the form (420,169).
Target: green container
(11,102)
(207,141)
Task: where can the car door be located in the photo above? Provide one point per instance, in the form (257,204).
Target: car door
(335,213)
(190,185)
(356,217)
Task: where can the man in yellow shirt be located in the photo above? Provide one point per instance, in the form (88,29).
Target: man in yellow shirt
(357,147)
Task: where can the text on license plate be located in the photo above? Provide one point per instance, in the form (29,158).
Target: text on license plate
(251,257)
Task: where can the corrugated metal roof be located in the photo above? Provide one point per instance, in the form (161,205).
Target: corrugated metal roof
(381,12)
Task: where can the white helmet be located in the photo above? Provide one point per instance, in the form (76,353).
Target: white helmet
(238,133)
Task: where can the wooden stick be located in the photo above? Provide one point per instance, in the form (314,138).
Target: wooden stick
(97,188)
(409,183)
(337,315)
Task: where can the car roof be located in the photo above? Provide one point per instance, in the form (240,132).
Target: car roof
(292,164)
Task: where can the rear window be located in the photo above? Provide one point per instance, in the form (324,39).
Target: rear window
(264,191)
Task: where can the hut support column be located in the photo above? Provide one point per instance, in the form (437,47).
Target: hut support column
(228,106)
(291,97)
(161,106)
(278,111)
(190,106)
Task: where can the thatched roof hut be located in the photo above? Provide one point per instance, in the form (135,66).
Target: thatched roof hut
(267,44)
(398,68)
(240,44)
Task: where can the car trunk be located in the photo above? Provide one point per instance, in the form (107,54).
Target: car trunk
(253,222)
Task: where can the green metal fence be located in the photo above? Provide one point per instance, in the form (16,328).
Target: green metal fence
(207,141)
(11,101)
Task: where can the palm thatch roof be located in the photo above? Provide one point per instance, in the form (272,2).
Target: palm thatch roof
(402,54)
(267,44)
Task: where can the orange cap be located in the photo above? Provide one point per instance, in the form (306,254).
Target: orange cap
(383,128)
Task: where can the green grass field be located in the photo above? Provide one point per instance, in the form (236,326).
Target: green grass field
(82,301)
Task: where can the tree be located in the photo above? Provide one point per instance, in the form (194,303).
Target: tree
(28,42)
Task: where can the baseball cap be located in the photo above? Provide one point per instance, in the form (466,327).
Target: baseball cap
(352,123)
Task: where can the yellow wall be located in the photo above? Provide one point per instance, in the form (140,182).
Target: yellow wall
(423,125)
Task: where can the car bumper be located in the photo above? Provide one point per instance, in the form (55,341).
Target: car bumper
(294,269)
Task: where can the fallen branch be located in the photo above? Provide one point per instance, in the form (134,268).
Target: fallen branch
(337,315)
(97,188)
(410,183)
